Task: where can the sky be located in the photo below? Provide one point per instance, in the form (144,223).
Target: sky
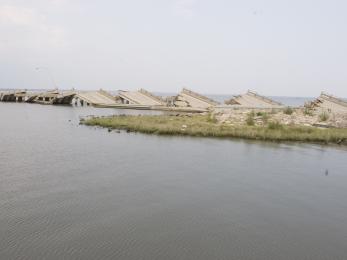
(274,47)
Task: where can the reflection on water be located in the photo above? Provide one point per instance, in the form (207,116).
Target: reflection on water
(74,192)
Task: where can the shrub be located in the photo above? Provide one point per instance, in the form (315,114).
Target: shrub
(265,117)
(273,111)
(308,112)
(275,125)
(211,118)
(288,111)
(250,118)
(323,116)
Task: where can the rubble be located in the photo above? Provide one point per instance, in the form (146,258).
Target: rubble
(299,117)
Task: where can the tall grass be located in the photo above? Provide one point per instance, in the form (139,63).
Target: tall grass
(201,125)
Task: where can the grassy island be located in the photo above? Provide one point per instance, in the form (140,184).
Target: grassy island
(207,126)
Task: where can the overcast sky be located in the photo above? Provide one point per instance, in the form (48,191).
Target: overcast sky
(275,47)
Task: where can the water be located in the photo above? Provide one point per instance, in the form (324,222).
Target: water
(76,192)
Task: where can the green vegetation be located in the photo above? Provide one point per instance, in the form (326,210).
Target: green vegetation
(211,118)
(250,119)
(323,117)
(201,125)
(288,111)
(275,125)
(273,111)
(308,112)
(264,116)
(260,113)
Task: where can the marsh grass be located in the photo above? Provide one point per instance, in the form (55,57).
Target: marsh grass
(201,125)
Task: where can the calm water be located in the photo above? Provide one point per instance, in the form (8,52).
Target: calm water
(76,192)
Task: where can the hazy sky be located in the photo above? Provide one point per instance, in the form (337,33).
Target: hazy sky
(275,47)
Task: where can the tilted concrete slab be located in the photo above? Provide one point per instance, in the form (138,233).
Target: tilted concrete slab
(155,98)
(141,97)
(188,98)
(329,102)
(252,99)
(97,97)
